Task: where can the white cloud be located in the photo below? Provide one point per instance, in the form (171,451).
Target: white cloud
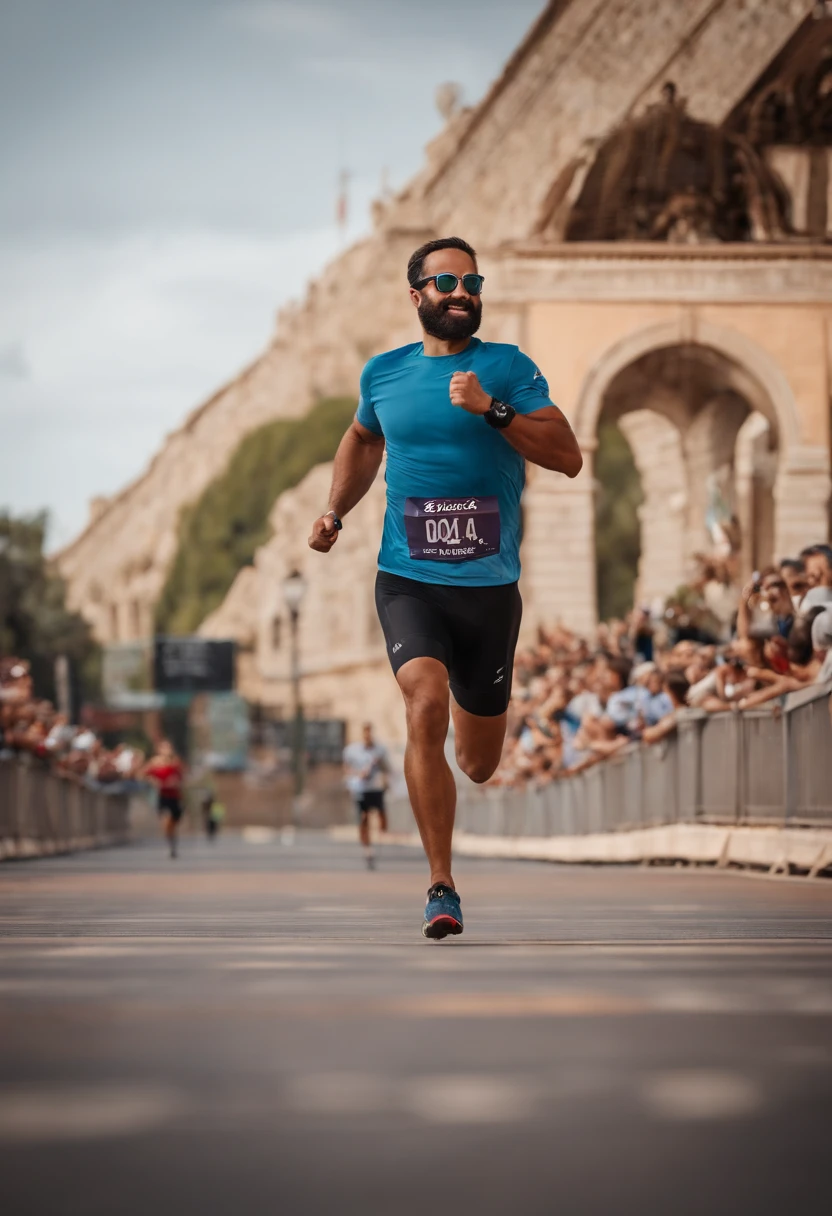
(123,339)
(284,17)
(191,143)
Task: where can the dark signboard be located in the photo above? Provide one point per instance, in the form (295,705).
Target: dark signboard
(193,665)
(323,738)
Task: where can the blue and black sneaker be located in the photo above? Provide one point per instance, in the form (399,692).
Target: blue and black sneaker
(443,915)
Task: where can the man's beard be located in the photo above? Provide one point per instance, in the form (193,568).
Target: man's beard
(439,323)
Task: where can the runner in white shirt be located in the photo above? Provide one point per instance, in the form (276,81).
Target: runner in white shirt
(366,767)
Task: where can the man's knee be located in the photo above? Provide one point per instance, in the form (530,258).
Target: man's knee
(477,768)
(427,715)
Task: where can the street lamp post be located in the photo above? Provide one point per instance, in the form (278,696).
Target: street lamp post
(294,589)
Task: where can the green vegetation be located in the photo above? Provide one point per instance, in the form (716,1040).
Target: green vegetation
(617,532)
(34,621)
(219,534)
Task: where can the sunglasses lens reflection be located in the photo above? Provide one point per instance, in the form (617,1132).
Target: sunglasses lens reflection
(471,282)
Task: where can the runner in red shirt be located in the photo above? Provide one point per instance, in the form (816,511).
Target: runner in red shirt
(167,771)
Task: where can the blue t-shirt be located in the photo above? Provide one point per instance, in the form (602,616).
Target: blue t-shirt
(453,482)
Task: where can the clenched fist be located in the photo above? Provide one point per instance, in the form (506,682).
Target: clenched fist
(467,392)
(324,534)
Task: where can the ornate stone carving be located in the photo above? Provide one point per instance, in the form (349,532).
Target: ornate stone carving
(665,176)
(795,108)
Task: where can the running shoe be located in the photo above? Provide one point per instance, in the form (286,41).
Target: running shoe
(443,914)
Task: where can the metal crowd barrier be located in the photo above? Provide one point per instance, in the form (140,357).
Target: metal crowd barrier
(771,765)
(41,812)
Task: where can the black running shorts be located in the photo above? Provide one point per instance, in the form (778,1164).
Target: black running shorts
(372,800)
(169,805)
(472,630)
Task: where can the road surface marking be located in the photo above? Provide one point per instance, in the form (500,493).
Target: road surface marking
(701,1095)
(32,1115)
(470,1098)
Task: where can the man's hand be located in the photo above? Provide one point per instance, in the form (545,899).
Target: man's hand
(466,391)
(324,534)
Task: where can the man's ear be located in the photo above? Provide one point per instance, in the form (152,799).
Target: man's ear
(415,297)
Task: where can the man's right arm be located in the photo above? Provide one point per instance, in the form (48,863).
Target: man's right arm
(357,462)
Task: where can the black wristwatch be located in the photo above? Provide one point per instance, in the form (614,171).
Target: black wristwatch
(499,414)
(335,520)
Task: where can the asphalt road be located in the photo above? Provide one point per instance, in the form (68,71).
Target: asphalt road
(261,1028)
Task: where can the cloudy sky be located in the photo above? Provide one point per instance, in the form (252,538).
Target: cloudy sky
(169,179)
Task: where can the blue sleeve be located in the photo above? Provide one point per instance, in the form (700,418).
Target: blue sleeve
(366,412)
(527,387)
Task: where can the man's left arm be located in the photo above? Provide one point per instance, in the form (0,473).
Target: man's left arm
(538,431)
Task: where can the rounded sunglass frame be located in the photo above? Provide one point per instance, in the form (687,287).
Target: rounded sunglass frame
(474,290)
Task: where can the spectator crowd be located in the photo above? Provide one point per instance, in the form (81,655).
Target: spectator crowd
(34,728)
(711,647)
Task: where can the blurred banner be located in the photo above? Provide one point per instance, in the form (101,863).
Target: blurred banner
(323,738)
(193,665)
(125,676)
(219,725)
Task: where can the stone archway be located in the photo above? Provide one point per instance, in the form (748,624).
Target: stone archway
(729,379)
(682,408)
(757,376)
(802,485)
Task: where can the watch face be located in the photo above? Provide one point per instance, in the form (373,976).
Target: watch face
(500,414)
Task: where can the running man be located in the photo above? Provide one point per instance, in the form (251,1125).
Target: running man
(366,767)
(166,771)
(459,418)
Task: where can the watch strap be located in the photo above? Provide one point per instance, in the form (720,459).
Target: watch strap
(335,520)
(499,414)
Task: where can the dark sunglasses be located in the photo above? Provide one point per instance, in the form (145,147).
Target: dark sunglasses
(446,283)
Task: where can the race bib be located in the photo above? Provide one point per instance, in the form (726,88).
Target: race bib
(452,529)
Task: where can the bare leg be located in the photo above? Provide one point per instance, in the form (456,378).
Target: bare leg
(364,830)
(479,743)
(430,782)
(170,833)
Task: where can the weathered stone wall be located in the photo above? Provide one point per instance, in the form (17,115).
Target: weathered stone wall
(343,657)
(590,64)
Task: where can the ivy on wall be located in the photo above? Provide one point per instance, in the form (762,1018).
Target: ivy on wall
(617,530)
(220,532)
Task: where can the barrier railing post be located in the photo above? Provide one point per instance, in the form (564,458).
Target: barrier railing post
(788,767)
(740,749)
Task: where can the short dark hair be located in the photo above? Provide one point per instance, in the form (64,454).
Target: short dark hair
(800,637)
(793,563)
(676,683)
(622,668)
(414,266)
(820,550)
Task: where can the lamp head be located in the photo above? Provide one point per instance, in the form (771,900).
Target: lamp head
(294,589)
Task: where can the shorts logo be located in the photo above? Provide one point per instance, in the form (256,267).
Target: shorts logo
(398,646)
(500,675)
